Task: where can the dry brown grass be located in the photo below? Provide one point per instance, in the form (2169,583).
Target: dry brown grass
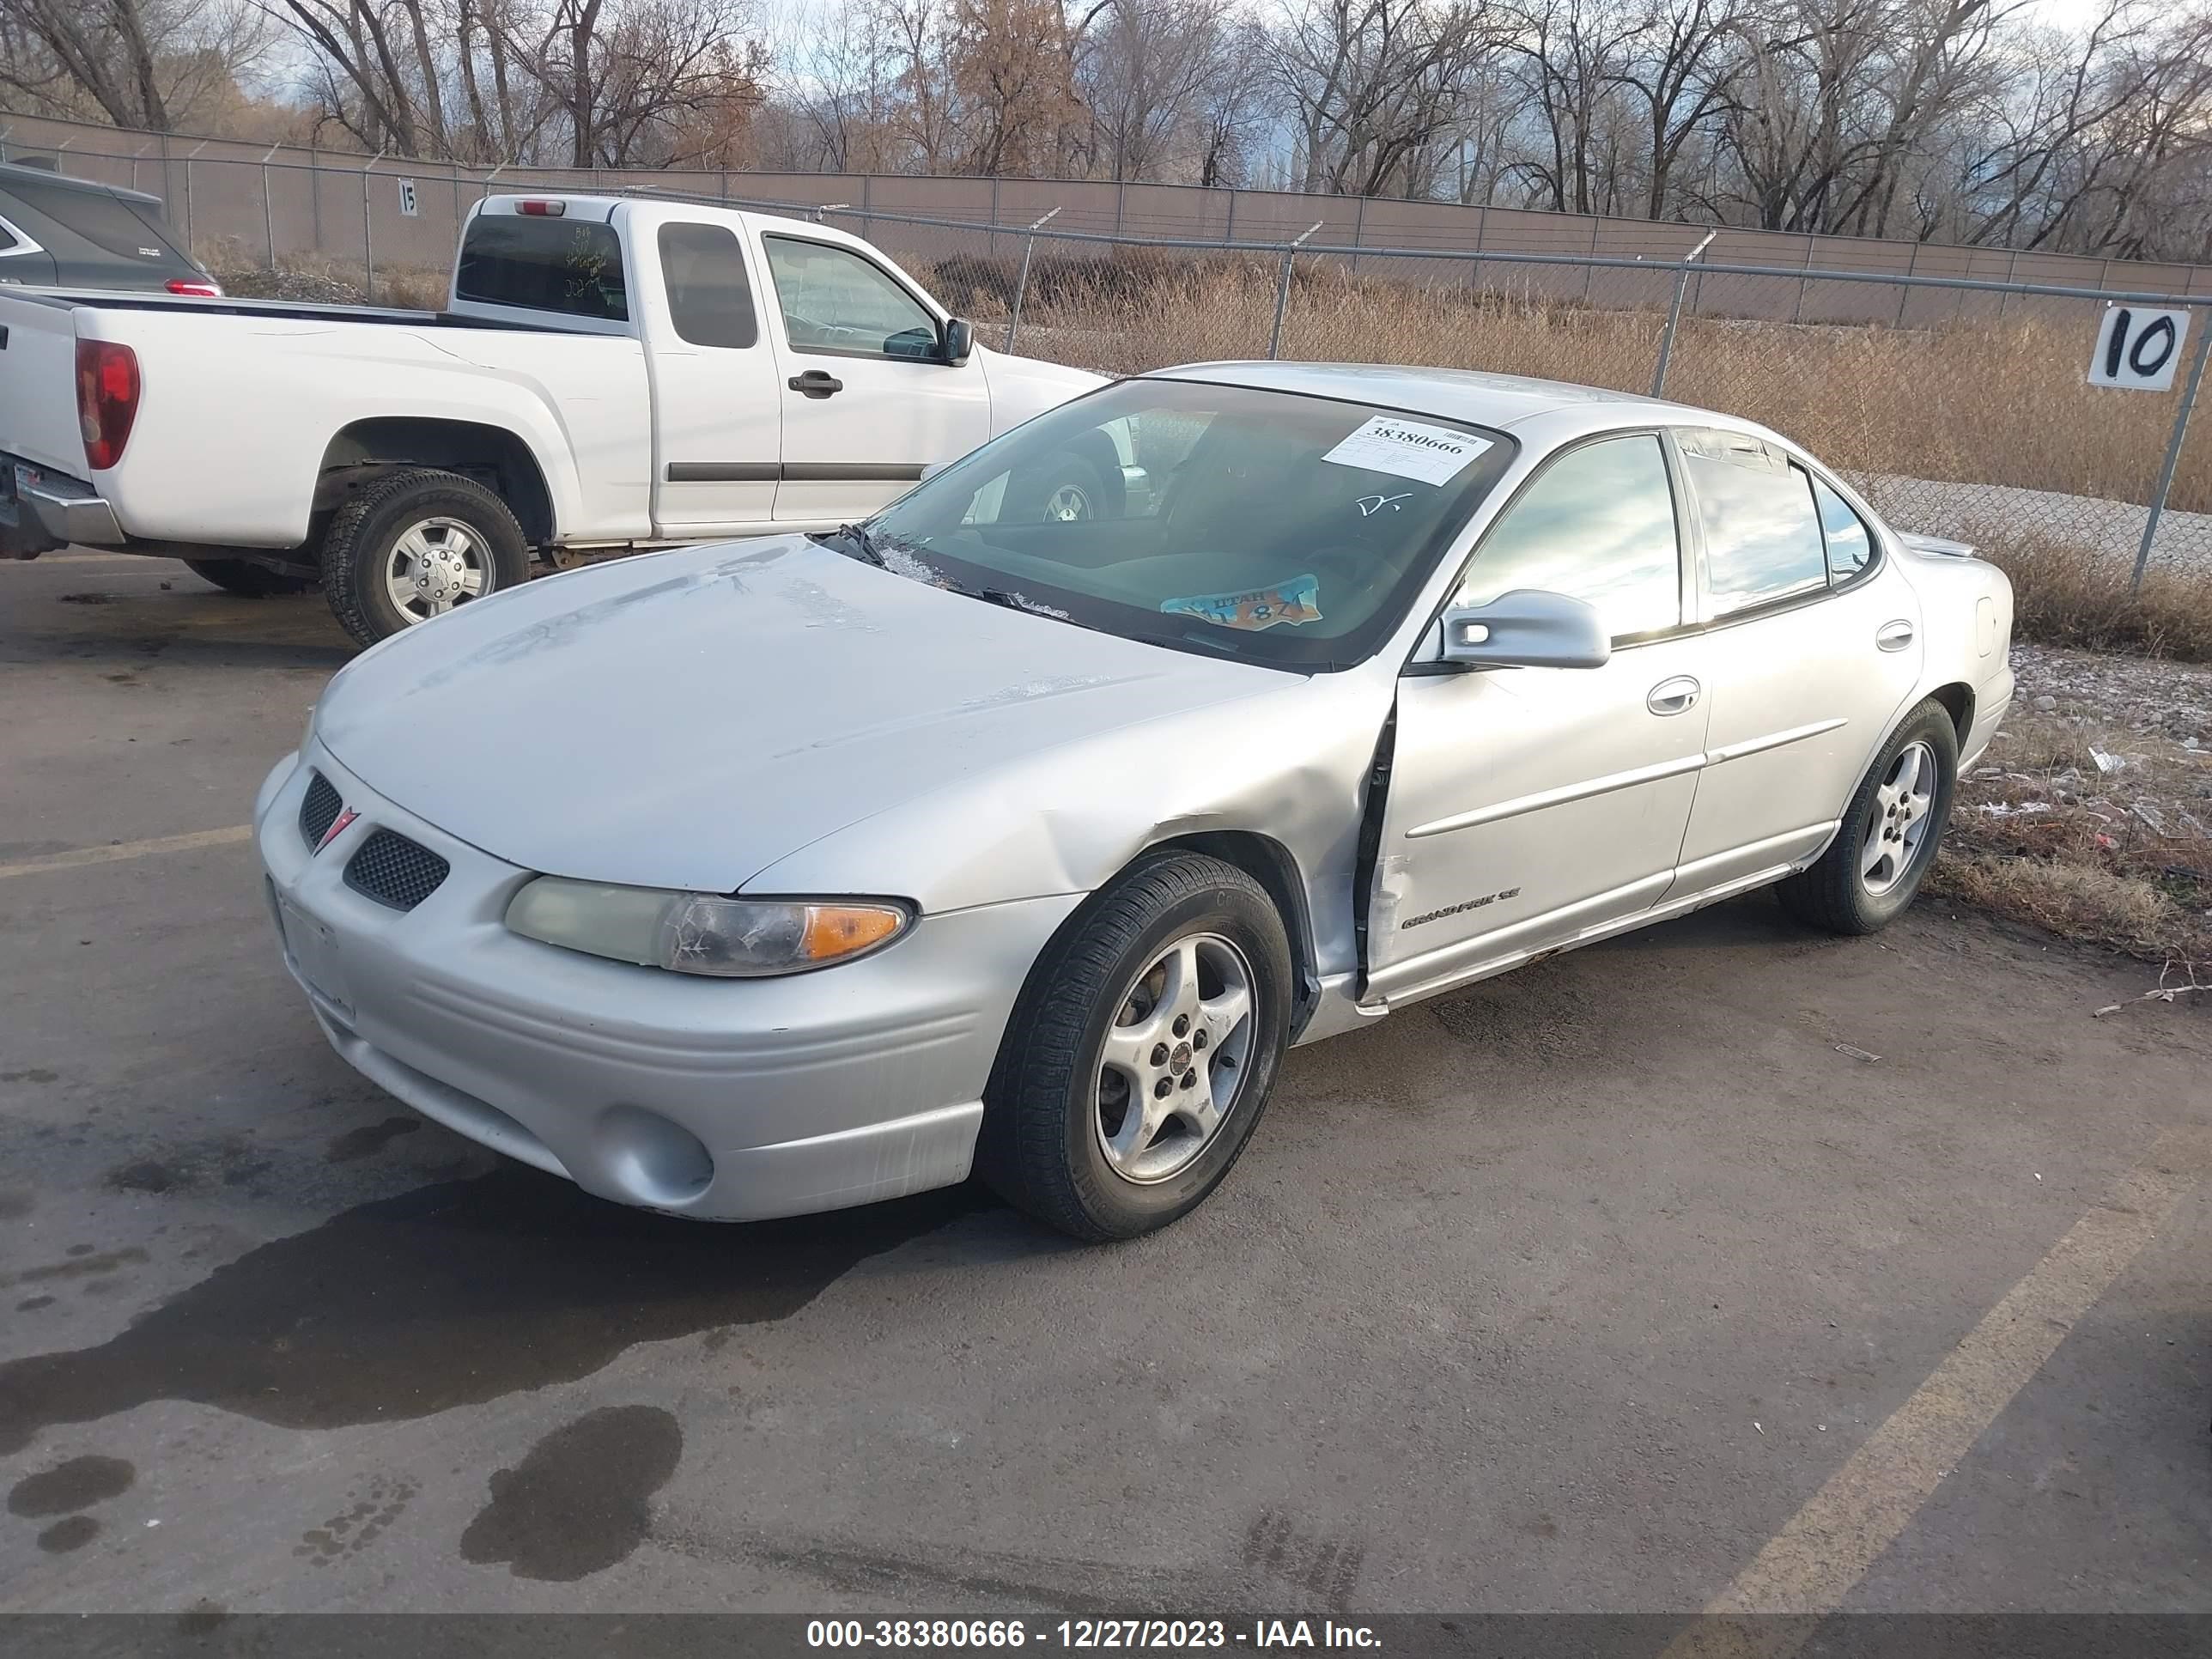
(318,279)
(2064,594)
(1976,403)
(2042,834)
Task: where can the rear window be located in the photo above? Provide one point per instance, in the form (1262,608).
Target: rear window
(108,222)
(571,266)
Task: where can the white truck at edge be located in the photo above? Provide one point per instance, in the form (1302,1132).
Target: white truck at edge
(611,373)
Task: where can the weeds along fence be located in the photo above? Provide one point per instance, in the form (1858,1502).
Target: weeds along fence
(1954,395)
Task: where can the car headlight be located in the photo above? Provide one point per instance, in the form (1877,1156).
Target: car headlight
(704,932)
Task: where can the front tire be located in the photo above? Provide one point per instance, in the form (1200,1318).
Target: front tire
(413,545)
(1141,1055)
(249,582)
(1890,831)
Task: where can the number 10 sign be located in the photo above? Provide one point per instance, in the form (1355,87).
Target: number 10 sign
(2137,349)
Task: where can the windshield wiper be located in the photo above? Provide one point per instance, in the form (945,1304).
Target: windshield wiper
(858,535)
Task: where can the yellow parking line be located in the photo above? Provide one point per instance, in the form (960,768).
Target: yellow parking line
(1809,1566)
(77,857)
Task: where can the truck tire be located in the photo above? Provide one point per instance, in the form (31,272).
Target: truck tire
(1169,998)
(1064,488)
(249,582)
(414,544)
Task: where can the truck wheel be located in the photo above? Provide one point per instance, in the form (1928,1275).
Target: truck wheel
(1064,488)
(252,581)
(1137,1063)
(413,545)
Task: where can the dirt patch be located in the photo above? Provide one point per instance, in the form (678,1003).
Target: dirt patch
(2091,814)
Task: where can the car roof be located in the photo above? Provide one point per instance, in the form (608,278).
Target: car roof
(1459,394)
(14,172)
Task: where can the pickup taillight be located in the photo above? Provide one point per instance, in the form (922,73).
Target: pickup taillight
(195,287)
(107,399)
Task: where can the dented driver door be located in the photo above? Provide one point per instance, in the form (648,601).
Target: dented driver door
(1528,807)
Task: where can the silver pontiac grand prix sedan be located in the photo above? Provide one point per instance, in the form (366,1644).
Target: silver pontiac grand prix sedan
(1023,828)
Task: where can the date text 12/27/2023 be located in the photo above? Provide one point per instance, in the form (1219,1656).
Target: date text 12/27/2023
(953,1635)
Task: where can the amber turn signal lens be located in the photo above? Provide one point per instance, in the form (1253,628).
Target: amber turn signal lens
(838,930)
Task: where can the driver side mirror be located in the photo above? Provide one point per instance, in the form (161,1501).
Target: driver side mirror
(956,341)
(1527,627)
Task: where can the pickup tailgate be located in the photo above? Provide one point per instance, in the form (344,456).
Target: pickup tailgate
(37,383)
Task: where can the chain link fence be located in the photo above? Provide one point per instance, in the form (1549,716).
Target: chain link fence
(1952,392)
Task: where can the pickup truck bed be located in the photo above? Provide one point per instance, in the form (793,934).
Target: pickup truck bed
(610,374)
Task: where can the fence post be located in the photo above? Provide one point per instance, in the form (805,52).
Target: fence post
(1229,231)
(268,214)
(1283,289)
(1022,286)
(367,238)
(1905,292)
(197,148)
(2203,321)
(1674,313)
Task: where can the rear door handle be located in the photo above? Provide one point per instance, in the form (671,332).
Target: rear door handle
(815,384)
(1675,696)
(1893,635)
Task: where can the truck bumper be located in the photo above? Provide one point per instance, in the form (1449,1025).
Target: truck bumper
(40,511)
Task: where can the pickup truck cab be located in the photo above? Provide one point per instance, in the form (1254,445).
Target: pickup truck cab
(611,373)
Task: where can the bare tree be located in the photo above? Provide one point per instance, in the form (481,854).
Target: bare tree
(1145,69)
(1372,84)
(142,63)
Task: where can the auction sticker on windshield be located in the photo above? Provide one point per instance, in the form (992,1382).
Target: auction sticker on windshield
(1408,449)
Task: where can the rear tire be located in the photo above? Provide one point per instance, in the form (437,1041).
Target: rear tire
(1065,488)
(433,539)
(1890,831)
(249,582)
(1169,995)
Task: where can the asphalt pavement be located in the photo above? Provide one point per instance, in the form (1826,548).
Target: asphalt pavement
(1722,1264)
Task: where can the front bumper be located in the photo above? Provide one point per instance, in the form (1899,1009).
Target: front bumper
(721,1099)
(40,511)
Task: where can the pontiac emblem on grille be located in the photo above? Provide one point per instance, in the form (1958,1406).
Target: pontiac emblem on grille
(338,826)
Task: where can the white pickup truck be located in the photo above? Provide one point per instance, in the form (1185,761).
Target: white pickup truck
(611,373)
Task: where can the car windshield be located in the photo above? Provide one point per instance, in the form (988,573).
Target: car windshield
(1281,529)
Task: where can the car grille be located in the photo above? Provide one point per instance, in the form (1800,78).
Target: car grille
(320,810)
(395,871)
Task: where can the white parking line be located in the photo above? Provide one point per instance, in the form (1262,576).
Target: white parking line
(1809,1566)
(80,856)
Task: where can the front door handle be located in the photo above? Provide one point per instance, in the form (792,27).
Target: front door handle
(1893,635)
(815,384)
(1675,696)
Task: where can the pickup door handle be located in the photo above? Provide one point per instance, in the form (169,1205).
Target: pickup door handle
(815,384)
(1675,696)
(1893,635)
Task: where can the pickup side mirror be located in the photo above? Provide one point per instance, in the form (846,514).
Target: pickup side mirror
(1527,627)
(956,341)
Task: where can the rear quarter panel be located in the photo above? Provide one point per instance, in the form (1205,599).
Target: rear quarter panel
(236,412)
(1966,611)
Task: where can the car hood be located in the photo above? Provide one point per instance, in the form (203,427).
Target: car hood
(686,719)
